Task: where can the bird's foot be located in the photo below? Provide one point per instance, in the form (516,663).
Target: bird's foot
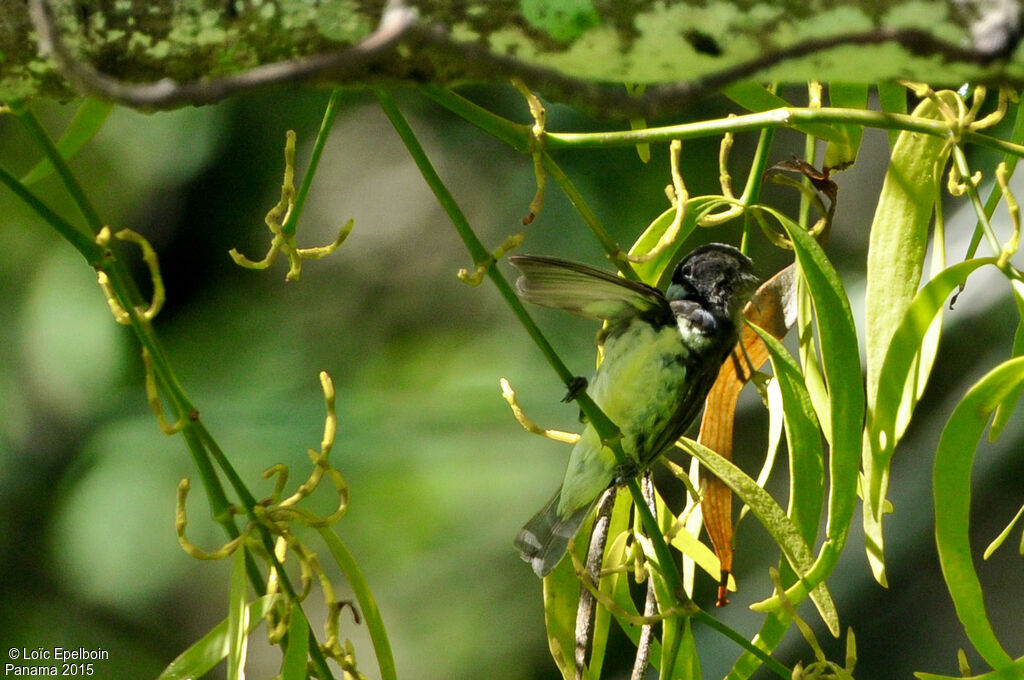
(626,472)
(575,387)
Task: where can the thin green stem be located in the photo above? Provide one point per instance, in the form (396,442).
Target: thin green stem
(330,113)
(776,118)
(755,180)
(713,623)
(997,192)
(49,149)
(249,504)
(972,194)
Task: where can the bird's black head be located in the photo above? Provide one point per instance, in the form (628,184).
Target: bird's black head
(716,276)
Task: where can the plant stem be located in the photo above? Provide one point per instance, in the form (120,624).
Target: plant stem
(330,113)
(776,118)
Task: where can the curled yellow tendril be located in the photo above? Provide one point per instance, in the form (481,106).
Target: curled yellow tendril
(278,216)
(149,256)
(510,396)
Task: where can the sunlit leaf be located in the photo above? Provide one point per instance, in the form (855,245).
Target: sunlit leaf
(896,250)
(1012,672)
(687,660)
(755,98)
(892,97)
(561,599)
(212,648)
(895,369)
(650,272)
(1003,535)
(840,364)
(952,492)
(87,122)
(850,96)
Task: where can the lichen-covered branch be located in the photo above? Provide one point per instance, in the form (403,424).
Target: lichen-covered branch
(167,53)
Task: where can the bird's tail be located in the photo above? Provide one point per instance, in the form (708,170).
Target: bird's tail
(543,540)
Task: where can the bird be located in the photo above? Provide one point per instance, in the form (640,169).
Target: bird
(661,355)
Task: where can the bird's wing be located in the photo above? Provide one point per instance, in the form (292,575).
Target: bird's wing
(586,291)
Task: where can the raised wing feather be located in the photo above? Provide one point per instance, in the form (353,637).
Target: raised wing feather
(586,291)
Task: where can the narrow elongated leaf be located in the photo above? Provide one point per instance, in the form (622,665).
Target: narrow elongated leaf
(850,96)
(951,482)
(561,600)
(212,648)
(906,340)
(1004,534)
(896,250)
(894,373)
(892,97)
(840,356)
(238,624)
(806,455)
(87,122)
(650,272)
(781,528)
(1013,672)
(1004,410)
(814,377)
(367,603)
(687,661)
(755,98)
(293,666)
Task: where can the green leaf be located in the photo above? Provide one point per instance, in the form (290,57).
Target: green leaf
(896,250)
(650,272)
(1004,534)
(756,98)
(781,528)
(840,362)
(1013,672)
(952,491)
(1004,410)
(899,238)
(892,97)
(367,603)
(850,96)
(688,660)
(293,666)
(238,628)
(87,122)
(212,648)
(803,439)
(814,377)
(895,371)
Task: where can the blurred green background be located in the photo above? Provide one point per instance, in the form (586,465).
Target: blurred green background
(441,476)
